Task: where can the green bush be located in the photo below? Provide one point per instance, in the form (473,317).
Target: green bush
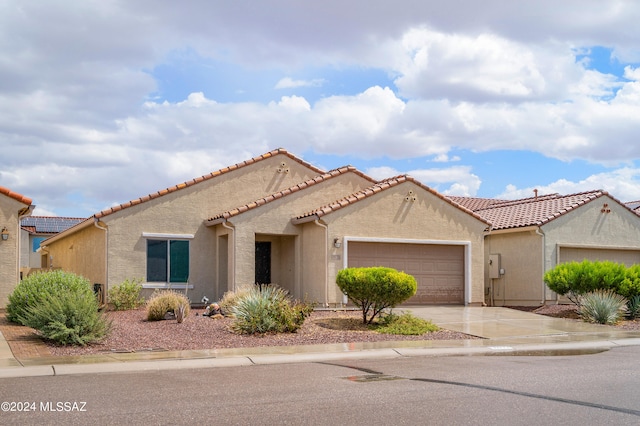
(602,306)
(405,324)
(630,286)
(68,318)
(37,288)
(126,295)
(165,301)
(267,310)
(574,279)
(375,289)
(61,306)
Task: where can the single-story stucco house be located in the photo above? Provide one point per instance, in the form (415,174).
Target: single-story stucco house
(278,219)
(34,230)
(13,207)
(531,236)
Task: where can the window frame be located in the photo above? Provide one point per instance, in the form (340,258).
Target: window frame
(168,239)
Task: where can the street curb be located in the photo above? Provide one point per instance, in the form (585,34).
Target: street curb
(568,348)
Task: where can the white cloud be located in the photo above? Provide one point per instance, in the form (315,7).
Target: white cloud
(456,180)
(623,184)
(289,83)
(78,115)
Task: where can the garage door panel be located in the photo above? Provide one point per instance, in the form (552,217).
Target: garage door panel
(438,269)
(578,254)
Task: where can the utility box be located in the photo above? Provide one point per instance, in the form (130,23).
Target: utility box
(495,268)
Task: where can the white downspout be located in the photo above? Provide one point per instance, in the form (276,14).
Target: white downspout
(21,214)
(326,261)
(96,223)
(544,261)
(233,253)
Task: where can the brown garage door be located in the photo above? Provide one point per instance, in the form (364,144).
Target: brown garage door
(438,269)
(578,254)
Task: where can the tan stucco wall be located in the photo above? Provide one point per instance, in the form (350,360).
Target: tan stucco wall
(389,216)
(272,222)
(84,254)
(587,226)
(183,212)
(526,255)
(521,258)
(9,250)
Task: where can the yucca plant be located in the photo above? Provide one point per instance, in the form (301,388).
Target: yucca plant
(602,307)
(633,307)
(267,310)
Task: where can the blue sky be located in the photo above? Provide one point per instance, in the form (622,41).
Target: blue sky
(107,101)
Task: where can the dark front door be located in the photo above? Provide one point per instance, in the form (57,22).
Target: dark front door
(263,262)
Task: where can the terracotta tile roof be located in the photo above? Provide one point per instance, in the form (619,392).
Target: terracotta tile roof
(473,203)
(15,196)
(204,178)
(48,224)
(536,211)
(634,205)
(304,185)
(371,191)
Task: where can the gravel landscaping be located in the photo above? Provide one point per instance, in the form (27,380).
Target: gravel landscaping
(133,333)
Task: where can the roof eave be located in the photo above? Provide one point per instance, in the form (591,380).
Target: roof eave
(305,219)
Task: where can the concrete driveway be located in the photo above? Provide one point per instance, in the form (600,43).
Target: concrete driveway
(505,323)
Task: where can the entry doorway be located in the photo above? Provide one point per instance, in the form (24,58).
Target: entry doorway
(263,263)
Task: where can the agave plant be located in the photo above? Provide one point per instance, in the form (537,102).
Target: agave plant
(602,307)
(633,307)
(267,310)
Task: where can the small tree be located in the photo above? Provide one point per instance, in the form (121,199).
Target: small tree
(375,289)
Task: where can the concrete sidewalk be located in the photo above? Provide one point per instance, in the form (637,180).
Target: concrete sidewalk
(504,331)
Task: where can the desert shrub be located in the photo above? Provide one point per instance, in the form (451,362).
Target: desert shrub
(165,301)
(630,285)
(375,289)
(268,310)
(126,296)
(37,288)
(68,318)
(633,307)
(574,279)
(602,307)
(405,324)
(231,298)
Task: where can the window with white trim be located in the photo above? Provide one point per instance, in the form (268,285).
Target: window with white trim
(167,260)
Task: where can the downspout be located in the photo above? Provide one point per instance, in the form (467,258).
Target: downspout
(96,223)
(21,214)
(544,261)
(326,261)
(484,273)
(232,232)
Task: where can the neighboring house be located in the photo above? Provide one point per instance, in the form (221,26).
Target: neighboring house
(13,207)
(277,219)
(34,230)
(531,236)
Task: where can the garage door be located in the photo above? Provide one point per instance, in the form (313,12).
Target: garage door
(575,254)
(438,269)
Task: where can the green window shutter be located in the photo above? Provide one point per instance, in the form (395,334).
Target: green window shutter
(157,261)
(179,261)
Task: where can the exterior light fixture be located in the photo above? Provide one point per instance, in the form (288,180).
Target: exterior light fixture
(5,234)
(337,243)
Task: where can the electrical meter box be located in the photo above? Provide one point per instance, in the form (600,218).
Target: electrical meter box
(495,269)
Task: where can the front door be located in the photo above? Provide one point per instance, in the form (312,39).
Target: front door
(263,262)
